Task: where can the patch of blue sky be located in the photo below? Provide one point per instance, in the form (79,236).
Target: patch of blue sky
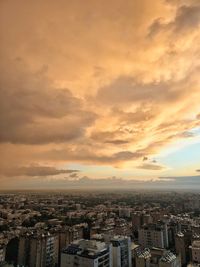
(185,156)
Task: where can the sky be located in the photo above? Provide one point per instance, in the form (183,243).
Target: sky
(99,93)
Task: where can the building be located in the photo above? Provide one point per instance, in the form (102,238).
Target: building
(2,253)
(156,258)
(87,253)
(136,220)
(169,260)
(68,234)
(142,257)
(124,213)
(38,250)
(153,235)
(195,251)
(147,219)
(121,251)
(182,243)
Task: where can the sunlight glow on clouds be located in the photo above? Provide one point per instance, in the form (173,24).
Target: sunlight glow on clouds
(111,84)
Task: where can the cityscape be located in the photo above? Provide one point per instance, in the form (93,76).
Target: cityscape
(99,133)
(100,228)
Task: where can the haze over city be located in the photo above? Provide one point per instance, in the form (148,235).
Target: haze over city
(99,94)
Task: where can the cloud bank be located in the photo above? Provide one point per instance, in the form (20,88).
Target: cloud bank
(104,83)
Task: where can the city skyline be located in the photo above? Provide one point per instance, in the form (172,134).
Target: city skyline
(99,94)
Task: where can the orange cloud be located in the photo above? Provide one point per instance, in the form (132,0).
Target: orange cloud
(96,83)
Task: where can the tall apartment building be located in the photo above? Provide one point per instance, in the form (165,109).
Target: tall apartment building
(147,219)
(195,251)
(153,235)
(121,251)
(38,250)
(142,257)
(87,253)
(67,235)
(182,243)
(136,220)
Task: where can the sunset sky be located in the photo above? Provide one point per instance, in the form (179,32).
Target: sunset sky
(98,89)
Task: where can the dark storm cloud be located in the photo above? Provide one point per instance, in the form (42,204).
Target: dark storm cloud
(117,142)
(187,18)
(90,156)
(150,166)
(35,170)
(34,112)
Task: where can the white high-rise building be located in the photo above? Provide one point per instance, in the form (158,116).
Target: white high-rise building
(121,251)
(87,253)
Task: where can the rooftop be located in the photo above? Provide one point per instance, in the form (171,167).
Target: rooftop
(169,257)
(196,244)
(87,248)
(143,253)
